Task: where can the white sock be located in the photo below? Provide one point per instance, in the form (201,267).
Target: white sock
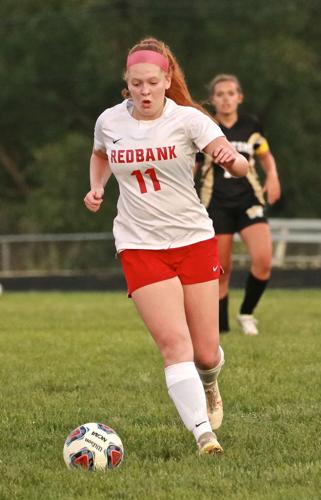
(187,392)
(208,377)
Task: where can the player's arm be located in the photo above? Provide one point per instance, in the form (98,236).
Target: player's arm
(225,155)
(100,172)
(272,184)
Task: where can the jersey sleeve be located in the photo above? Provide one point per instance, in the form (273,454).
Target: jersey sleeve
(98,136)
(261,145)
(201,129)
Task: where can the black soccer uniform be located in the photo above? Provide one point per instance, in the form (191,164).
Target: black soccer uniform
(235,203)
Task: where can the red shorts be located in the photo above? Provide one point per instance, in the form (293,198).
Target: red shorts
(194,263)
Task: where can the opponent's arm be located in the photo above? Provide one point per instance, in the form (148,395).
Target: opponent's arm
(272,184)
(100,172)
(225,155)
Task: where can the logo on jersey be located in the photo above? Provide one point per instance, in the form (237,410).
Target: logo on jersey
(243,147)
(142,155)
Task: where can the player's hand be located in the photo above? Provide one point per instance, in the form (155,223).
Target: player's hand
(225,155)
(272,188)
(94,199)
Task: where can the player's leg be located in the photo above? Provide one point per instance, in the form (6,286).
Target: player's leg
(201,305)
(161,306)
(225,225)
(257,238)
(225,247)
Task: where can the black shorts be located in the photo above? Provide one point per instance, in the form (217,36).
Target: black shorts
(230,220)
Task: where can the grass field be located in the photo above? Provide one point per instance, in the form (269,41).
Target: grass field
(68,359)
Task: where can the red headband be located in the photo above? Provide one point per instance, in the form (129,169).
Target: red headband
(148,56)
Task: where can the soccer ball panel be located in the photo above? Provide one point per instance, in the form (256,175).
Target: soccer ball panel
(93,446)
(83,459)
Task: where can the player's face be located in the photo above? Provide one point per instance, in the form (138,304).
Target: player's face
(147,84)
(226,98)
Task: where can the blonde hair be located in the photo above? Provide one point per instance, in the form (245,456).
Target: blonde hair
(224,77)
(178,90)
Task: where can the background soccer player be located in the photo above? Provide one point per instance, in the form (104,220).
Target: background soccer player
(237,204)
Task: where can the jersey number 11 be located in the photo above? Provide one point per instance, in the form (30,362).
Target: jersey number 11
(140,179)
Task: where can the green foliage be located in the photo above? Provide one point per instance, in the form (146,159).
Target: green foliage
(56,204)
(61,64)
(67,359)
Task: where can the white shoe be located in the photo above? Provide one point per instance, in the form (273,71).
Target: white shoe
(248,324)
(214,405)
(208,444)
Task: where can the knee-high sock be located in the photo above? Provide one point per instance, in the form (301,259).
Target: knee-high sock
(223,314)
(208,377)
(253,292)
(187,392)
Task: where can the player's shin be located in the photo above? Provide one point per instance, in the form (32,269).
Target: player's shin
(223,315)
(213,396)
(186,390)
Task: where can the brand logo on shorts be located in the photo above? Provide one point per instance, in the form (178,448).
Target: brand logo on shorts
(255,211)
(215,268)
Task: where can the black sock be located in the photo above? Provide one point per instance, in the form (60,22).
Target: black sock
(253,291)
(223,314)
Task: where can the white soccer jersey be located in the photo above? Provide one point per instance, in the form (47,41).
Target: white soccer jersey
(152,160)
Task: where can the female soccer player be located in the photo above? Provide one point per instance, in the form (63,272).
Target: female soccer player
(164,237)
(237,204)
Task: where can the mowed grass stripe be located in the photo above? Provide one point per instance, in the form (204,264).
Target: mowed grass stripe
(73,358)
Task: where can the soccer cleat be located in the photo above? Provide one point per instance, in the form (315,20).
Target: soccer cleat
(214,405)
(248,324)
(208,444)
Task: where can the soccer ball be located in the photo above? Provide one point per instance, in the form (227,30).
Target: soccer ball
(93,447)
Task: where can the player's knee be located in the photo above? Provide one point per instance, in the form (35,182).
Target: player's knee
(208,358)
(177,348)
(262,268)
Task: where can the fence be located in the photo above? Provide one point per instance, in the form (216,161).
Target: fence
(296,243)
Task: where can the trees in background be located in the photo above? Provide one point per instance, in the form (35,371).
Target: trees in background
(61,64)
